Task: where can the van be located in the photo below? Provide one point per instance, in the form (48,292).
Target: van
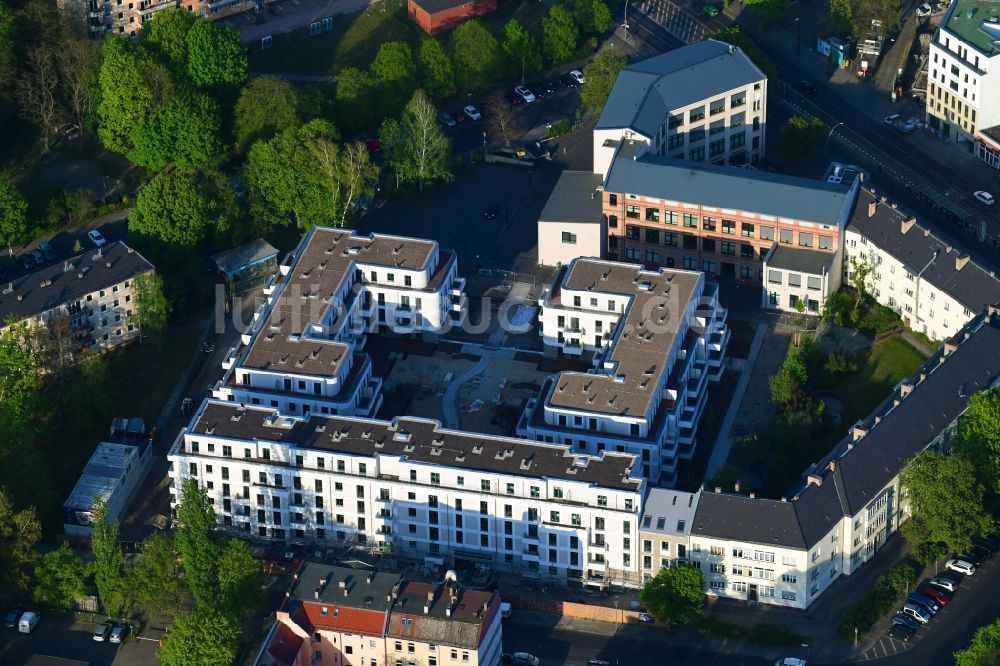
(918,613)
(28,622)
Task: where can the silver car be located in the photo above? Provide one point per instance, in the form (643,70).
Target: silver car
(946,584)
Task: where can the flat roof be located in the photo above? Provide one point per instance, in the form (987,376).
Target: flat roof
(970,21)
(70,280)
(728,187)
(811,262)
(646,91)
(419,440)
(642,340)
(235,259)
(102,475)
(324,260)
(574,199)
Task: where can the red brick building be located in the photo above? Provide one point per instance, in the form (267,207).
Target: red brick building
(437,15)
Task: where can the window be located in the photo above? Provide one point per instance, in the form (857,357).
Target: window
(569,238)
(652,214)
(788,596)
(738,140)
(805,240)
(826,242)
(675,141)
(670,217)
(746,272)
(631,232)
(788,578)
(652,257)
(785,236)
(708,244)
(794,280)
(717,147)
(691,220)
(697,154)
(632,253)
(670,238)
(613,199)
(632,211)
(690,242)
(729,226)
(739,99)
(767,233)
(602,500)
(813,283)
(708,223)
(728,247)
(746,250)
(653,236)
(746,229)
(773,277)
(694,115)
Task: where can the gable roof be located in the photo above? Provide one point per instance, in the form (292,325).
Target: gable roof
(455,616)
(342,599)
(284,646)
(731,188)
(751,520)
(646,90)
(972,285)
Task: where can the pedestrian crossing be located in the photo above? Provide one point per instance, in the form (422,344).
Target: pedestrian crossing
(671,18)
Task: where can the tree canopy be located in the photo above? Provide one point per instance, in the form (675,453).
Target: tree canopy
(394,74)
(181,132)
(206,637)
(13,213)
(436,73)
(946,501)
(60,578)
(675,595)
(174,208)
(979,436)
(799,137)
(19,532)
(416,148)
(113,589)
(474,55)
(152,308)
(165,34)
(984,649)
(601,73)
(559,35)
(523,56)
(195,540)
(266,106)
(127,95)
(215,55)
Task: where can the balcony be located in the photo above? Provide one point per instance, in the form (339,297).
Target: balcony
(384,500)
(573,348)
(458,303)
(457,287)
(527,536)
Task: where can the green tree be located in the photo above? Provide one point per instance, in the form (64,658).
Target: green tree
(60,578)
(157,578)
(195,541)
(354,92)
(19,532)
(840,17)
(436,72)
(173,208)
(165,34)
(945,499)
(768,10)
(8,56)
(348,173)
(206,637)
(267,106)
(415,146)
(521,49)
(21,399)
(240,577)
(559,35)
(216,55)
(675,595)
(113,589)
(182,132)
(152,309)
(860,270)
(788,383)
(733,35)
(286,182)
(394,73)
(984,650)
(129,86)
(590,16)
(799,138)
(979,436)
(601,73)
(474,55)
(77,63)
(13,213)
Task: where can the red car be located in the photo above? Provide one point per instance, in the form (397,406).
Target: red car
(936,594)
(459,117)
(513,99)
(374,145)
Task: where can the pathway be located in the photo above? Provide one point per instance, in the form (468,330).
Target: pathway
(449,401)
(720,452)
(917,343)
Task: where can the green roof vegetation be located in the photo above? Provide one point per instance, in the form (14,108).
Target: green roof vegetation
(970,21)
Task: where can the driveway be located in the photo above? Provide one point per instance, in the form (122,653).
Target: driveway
(285,17)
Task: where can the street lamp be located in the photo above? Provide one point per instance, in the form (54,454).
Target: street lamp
(625,22)
(832,130)
(798,35)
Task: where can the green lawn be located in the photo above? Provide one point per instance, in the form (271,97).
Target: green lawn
(881,367)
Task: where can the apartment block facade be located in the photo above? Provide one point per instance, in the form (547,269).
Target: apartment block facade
(704,102)
(932,284)
(665,529)
(963,80)
(125,17)
(656,337)
(412,487)
(721,221)
(788,551)
(304,354)
(89,296)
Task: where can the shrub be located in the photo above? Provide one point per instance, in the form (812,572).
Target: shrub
(559,128)
(763,633)
(884,595)
(840,362)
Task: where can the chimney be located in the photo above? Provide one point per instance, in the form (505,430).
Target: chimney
(322,582)
(369,578)
(833,465)
(345,592)
(960,261)
(814,479)
(736,487)
(948,348)
(753,495)
(342,584)
(908,224)
(858,431)
(316,594)
(718,490)
(447,611)
(905,389)
(872,206)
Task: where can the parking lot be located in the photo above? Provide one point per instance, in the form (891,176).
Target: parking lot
(59,638)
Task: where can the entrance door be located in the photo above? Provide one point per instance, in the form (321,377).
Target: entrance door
(752,593)
(728,270)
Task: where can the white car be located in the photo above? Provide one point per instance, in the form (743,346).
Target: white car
(577,76)
(790,661)
(946,584)
(924,10)
(524,94)
(472,113)
(96,238)
(961,566)
(984,198)
(891,120)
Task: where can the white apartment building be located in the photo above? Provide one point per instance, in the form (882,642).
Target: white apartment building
(572,223)
(657,337)
(91,293)
(413,487)
(797,279)
(704,102)
(963,83)
(788,551)
(934,286)
(304,352)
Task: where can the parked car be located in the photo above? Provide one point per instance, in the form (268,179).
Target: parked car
(570,81)
(447,119)
(525,94)
(900,632)
(937,595)
(472,113)
(983,552)
(790,661)
(646,618)
(10,621)
(537,87)
(923,600)
(374,146)
(102,631)
(96,238)
(984,198)
(118,634)
(988,545)
(710,10)
(28,261)
(459,117)
(960,566)
(513,99)
(918,613)
(47,250)
(28,622)
(491,212)
(924,10)
(807,87)
(525,659)
(944,583)
(891,120)
(551,85)
(972,558)
(906,621)
(577,76)
(38,257)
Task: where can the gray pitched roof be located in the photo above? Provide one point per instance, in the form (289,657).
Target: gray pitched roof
(739,518)
(973,285)
(70,280)
(668,512)
(573,200)
(645,91)
(727,187)
(812,262)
